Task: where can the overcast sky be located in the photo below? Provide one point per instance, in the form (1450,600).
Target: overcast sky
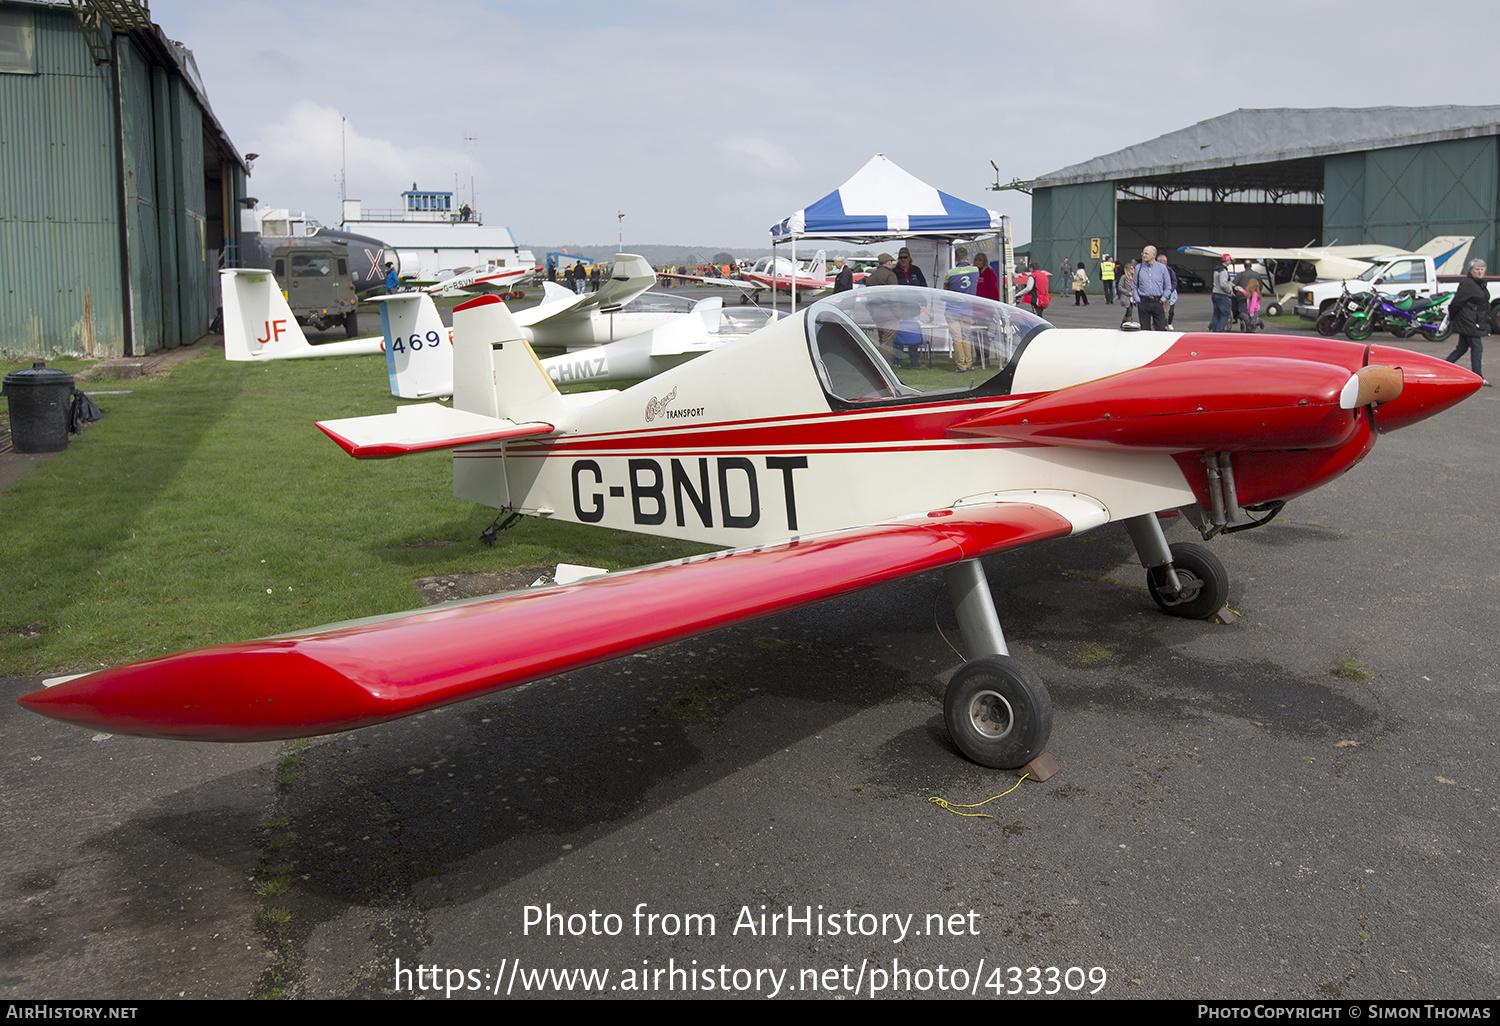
(705,122)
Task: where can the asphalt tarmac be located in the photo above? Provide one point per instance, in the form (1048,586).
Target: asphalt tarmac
(1302,803)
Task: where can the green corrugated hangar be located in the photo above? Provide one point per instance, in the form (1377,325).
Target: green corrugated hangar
(1392,176)
(119,189)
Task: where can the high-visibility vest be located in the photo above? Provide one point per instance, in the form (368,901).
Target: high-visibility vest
(1107,270)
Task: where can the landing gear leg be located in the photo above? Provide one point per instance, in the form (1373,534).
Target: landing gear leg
(1184,580)
(997,711)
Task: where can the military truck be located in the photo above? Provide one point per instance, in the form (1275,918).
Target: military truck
(317,285)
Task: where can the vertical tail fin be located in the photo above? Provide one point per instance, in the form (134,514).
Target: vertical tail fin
(711,311)
(258,324)
(495,373)
(418,348)
(1448,252)
(819,268)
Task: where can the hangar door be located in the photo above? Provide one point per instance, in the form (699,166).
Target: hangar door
(1064,221)
(1404,195)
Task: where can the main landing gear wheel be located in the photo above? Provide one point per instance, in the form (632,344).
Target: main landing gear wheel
(998,712)
(1205,584)
(1273,309)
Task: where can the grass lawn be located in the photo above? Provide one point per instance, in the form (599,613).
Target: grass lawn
(206,508)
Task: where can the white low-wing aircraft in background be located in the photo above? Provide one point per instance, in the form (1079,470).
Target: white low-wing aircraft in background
(607,340)
(823,470)
(1448,253)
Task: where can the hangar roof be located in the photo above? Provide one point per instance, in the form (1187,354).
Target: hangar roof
(1295,139)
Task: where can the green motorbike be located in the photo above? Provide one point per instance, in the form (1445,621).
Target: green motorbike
(1403,316)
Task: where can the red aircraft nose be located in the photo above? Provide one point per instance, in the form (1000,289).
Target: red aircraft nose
(1429,386)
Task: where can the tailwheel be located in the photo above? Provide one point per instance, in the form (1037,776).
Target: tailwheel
(998,712)
(1203,579)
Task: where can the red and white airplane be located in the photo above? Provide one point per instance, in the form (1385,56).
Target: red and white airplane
(823,470)
(488,277)
(774,273)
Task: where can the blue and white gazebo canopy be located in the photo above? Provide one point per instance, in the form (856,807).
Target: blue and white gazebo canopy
(882,201)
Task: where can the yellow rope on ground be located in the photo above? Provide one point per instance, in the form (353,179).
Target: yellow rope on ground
(946,804)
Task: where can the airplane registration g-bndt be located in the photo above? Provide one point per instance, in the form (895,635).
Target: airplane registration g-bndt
(824,470)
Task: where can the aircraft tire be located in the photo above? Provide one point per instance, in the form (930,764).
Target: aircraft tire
(744,299)
(1273,310)
(1205,584)
(998,712)
(351,324)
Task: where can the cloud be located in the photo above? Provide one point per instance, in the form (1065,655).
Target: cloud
(766,159)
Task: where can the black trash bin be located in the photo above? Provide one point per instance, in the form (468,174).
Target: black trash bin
(39,403)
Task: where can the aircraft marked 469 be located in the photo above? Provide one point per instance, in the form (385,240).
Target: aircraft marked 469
(431,340)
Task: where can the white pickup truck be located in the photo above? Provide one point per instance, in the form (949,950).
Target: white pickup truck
(1391,276)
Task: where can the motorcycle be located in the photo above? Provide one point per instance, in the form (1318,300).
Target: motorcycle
(1331,321)
(1403,316)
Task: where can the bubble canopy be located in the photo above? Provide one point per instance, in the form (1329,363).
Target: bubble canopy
(858,341)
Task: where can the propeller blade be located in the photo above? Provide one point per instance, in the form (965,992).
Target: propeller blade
(1371,385)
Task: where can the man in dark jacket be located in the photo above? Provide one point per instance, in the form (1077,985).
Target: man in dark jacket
(888,318)
(845,280)
(1470,313)
(908,273)
(883,275)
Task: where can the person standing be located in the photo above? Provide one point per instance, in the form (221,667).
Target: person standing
(887,316)
(1470,314)
(1107,279)
(1171,310)
(1152,291)
(963,277)
(844,281)
(1041,289)
(391,281)
(908,273)
(1065,273)
(1127,290)
(1080,286)
(1223,295)
(1023,283)
(988,286)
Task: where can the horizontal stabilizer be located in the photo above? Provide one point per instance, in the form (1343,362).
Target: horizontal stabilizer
(421,428)
(678,336)
(355,674)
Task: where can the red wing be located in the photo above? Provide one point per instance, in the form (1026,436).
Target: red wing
(353,675)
